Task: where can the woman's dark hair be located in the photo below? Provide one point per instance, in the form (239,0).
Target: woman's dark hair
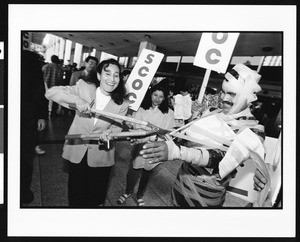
(126,72)
(117,95)
(161,86)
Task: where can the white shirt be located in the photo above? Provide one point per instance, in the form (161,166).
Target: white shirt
(101,101)
(182,107)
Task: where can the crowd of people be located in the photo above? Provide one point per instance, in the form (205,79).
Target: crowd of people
(202,179)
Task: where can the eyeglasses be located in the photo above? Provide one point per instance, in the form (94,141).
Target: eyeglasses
(93,63)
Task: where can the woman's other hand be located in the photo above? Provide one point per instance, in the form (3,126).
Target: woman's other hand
(105,136)
(83,108)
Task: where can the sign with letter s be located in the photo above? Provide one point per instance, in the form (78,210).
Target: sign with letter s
(141,76)
(215,50)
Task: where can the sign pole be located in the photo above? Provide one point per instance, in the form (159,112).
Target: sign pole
(204,84)
(260,64)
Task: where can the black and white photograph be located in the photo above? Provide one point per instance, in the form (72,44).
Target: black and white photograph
(125,122)
(172,101)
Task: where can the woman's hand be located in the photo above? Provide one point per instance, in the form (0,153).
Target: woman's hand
(105,136)
(83,107)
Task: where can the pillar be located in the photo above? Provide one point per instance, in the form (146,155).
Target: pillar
(68,52)
(146,45)
(77,54)
(61,48)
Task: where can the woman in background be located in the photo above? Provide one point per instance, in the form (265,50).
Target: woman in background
(155,110)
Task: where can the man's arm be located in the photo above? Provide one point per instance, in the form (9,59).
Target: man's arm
(168,150)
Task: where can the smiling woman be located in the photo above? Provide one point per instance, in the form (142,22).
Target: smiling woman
(109,76)
(90,164)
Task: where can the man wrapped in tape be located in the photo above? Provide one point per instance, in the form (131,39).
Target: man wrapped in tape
(207,171)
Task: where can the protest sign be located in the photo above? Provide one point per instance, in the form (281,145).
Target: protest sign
(215,50)
(141,76)
(214,53)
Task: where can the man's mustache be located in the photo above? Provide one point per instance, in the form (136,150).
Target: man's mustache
(228,103)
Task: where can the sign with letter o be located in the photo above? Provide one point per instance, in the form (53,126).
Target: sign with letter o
(141,76)
(215,50)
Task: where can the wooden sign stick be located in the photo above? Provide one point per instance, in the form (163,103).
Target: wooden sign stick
(204,84)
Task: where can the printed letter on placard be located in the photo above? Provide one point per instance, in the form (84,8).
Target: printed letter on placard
(215,50)
(141,76)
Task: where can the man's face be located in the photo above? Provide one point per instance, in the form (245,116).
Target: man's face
(90,65)
(227,100)
(231,101)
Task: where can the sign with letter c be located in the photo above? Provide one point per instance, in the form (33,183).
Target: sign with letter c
(141,76)
(215,50)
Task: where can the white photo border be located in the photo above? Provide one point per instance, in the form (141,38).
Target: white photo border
(152,222)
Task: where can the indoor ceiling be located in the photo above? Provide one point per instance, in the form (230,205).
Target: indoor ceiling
(169,43)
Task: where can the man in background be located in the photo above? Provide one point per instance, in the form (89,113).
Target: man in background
(52,76)
(91,63)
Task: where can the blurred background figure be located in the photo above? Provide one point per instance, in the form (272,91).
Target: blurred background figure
(33,118)
(125,75)
(182,107)
(52,77)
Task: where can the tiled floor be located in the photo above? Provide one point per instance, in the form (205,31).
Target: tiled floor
(51,174)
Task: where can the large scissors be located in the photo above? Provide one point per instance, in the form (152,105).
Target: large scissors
(149,128)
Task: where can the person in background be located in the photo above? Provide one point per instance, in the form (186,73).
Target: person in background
(91,63)
(206,172)
(74,67)
(34,114)
(90,164)
(52,77)
(210,102)
(69,70)
(125,75)
(182,107)
(38,149)
(155,110)
(171,99)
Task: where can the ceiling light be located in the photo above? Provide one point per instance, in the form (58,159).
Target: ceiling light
(267,48)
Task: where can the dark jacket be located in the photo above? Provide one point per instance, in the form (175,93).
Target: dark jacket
(34,105)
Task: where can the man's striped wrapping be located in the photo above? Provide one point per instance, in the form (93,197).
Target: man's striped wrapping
(202,190)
